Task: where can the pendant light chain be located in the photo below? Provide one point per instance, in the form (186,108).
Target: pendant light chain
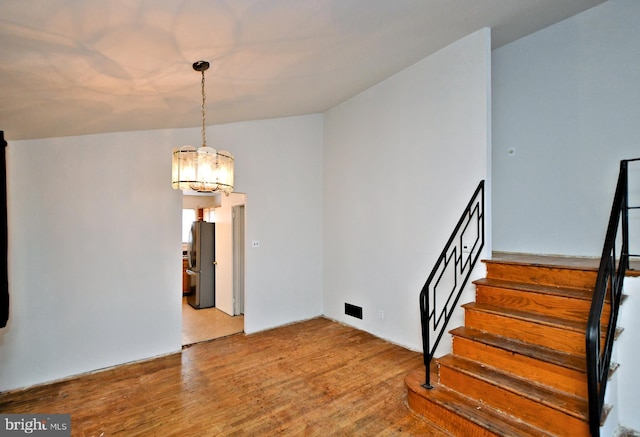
(204,141)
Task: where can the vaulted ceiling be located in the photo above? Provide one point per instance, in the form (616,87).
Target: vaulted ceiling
(71,67)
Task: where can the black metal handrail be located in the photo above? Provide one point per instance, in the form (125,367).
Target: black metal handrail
(461,252)
(613,265)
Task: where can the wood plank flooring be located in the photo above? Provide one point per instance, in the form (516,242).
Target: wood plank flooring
(312,378)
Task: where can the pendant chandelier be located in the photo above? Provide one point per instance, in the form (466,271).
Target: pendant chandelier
(204,169)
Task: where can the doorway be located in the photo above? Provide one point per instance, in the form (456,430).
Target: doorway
(227,315)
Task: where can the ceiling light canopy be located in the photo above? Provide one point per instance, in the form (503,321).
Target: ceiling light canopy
(204,169)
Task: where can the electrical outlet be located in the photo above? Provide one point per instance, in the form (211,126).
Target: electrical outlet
(381,314)
(255,243)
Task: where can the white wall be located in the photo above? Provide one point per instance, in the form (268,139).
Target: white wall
(401,161)
(95,242)
(567,100)
(628,356)
(93,253)
(278,164)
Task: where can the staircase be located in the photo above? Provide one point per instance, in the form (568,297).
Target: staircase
(518,366)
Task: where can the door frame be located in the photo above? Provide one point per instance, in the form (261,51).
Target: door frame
(238,220)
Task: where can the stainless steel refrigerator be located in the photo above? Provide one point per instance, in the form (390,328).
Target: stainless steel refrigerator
(202,273)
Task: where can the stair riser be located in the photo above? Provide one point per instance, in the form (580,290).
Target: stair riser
(543,335)
(554,376)
(444,418)
(458,415)
(535,413)
(550,305)
(542,275)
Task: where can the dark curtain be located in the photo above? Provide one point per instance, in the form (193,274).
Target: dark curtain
(4,268)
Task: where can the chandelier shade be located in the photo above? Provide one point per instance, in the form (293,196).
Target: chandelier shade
(203,169)
(183,167)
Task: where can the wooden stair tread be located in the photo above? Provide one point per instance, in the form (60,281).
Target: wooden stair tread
(550,261)
(568,292)
(554,271)
(571,292)
(570,325)
(568,404)
(564,359)
(472,410)
(557,261)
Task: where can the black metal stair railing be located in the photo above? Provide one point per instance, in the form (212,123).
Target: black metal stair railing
(600,333)
(450,275)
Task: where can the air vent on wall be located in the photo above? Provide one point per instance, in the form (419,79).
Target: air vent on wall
(353,310)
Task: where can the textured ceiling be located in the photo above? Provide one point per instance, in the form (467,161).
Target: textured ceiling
(71,67)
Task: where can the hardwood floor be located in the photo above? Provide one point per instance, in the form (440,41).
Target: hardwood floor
(312,378)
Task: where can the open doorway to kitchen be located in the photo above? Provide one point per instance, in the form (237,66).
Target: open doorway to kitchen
(225,316)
